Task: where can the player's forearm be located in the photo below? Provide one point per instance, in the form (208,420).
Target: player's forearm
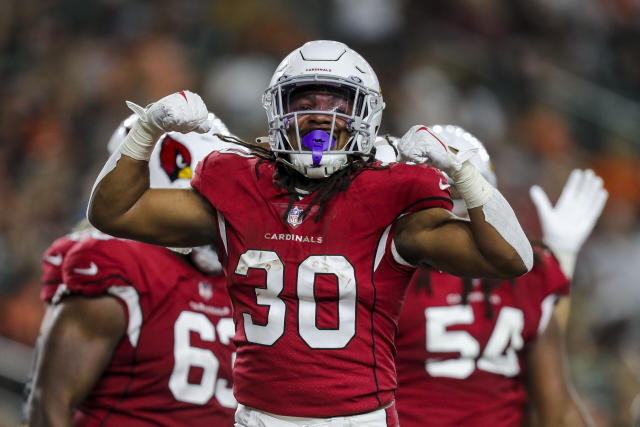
(116,192)
(48,409)
(496,230)
(498,244)
(568,415)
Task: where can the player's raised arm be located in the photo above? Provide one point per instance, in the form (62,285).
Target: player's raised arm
(566,226)
(553,399)
(491,244)
(123,205)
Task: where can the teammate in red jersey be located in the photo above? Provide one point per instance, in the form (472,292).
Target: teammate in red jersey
(479,352)
(135,334)
(315,236)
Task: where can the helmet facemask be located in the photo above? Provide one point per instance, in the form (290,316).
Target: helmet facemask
(351,116)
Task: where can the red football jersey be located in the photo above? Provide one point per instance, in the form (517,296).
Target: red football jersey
(173,365)
(458,367)
(315,302)
(52,263)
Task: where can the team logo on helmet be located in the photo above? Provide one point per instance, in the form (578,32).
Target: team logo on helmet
(175,159)
(205,290)
(295,217)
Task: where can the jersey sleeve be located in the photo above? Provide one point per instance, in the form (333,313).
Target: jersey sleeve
(220,175)
(425,187)
(52,260)
(556,282)
(93,266)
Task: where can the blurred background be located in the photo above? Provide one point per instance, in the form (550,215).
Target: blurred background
(547,85)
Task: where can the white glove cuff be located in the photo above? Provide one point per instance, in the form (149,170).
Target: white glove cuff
(471,185)
(139,142)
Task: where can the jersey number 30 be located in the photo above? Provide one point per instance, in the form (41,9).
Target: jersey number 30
(273,329)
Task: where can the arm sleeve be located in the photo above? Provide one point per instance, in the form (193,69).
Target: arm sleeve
(556,281)
(92,267)
(426,187)
(52,259)
(107,267)
(222,174)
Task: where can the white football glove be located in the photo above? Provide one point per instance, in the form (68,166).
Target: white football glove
(180,112)
(421,145)
(567,225)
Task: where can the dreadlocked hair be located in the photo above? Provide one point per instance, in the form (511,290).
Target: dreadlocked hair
(423,282)
(387,138)
(290,180)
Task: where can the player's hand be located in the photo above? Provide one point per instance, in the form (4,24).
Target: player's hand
(422,145)
(180,112)
(567,225)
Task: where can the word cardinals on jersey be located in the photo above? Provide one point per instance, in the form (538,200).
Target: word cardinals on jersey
(458,366)
(173,366)
(315,313)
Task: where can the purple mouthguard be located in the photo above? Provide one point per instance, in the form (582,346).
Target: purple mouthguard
(318,141)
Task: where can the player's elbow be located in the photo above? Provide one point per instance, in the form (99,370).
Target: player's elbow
(519,261)
(98,220)
(520,265)
(95,219)
(101,219)
(511,267)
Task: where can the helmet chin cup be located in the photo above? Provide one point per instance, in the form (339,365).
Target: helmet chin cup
(304,163)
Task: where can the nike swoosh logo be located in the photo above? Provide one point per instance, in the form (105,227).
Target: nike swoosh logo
(442,185)
(54,259)
(91,271)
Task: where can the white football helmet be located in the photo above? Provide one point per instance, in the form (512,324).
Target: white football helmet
(176,155)
(332,67)
(121,131)
(172,165)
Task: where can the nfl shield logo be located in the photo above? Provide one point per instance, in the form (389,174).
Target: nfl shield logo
(295,217)
(205,290)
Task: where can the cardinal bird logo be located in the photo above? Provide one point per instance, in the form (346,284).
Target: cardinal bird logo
(175,159)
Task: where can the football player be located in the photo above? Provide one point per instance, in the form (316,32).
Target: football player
(316,237)
(478,352)
(135,334)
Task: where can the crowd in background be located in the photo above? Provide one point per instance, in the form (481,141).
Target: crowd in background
(547,85)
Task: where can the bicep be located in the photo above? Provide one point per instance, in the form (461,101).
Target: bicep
(76,347)
(440,239)
(170,217)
